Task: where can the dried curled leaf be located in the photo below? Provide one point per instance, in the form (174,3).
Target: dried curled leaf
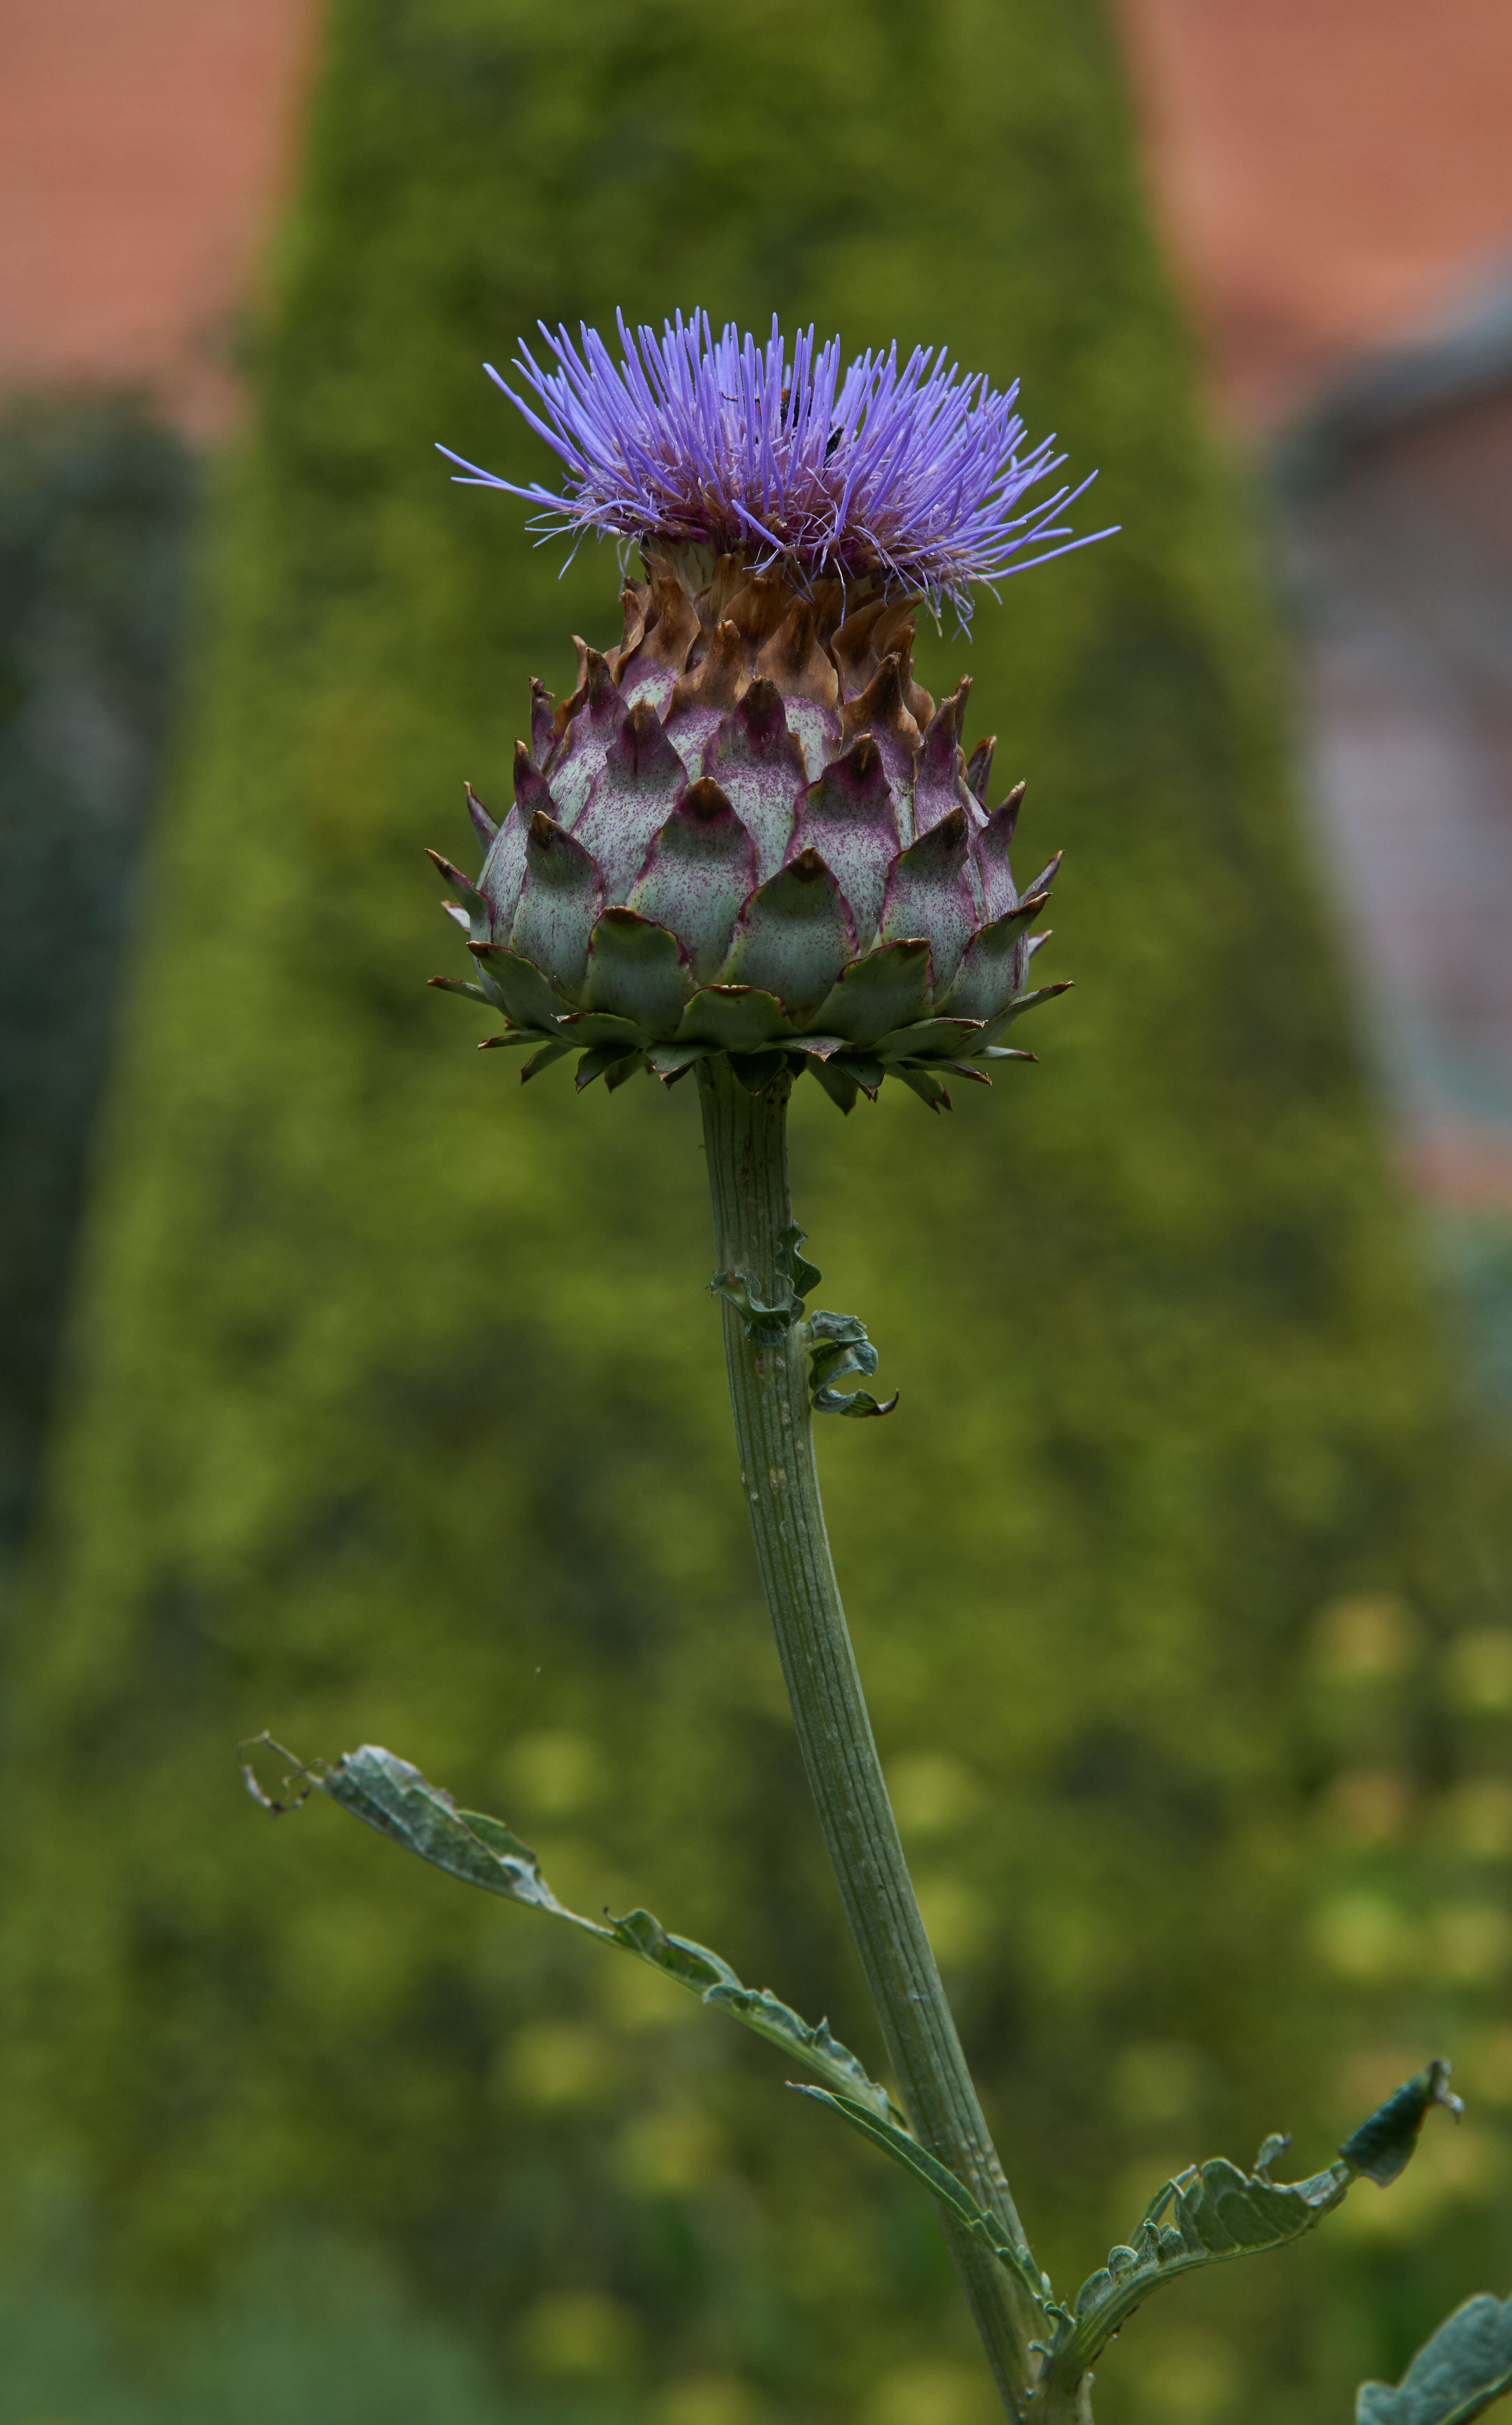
(795,1278)
(838,1347)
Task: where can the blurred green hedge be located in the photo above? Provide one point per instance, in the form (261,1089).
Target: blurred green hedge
(96,509)
(400,1413)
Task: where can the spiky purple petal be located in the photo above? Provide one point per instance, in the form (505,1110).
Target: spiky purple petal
(915,474)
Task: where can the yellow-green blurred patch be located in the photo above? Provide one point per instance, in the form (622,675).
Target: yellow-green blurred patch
(935,2393)
(548,1775)
(579,2335)
(557,2066)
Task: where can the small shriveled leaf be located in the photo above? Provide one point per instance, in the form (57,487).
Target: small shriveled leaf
(764,1323)
(1455,2376)
(838,1347)
(395,1798)
(804,1277)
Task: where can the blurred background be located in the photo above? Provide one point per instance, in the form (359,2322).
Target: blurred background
(348,1390)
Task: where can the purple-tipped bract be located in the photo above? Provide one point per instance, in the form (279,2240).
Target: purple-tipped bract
(914,476)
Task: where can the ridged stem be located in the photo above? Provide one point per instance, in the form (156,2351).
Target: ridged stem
(745,1142)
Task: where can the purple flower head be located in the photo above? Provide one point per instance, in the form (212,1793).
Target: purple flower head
(916,477)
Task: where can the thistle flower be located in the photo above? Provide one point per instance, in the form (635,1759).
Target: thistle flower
(749,830)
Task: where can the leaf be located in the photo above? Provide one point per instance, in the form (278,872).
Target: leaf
(802,1275)
(1455,2377)
(1380,2148)
(838,1345)
(764,1323)
(795,1276)
(401,1804)
(938,2181)
(818,2047)
(1217,2211)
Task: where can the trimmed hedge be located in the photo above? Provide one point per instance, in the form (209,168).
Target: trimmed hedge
(401,1415)
(96,506)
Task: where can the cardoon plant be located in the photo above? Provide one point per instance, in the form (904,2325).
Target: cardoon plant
(749,846)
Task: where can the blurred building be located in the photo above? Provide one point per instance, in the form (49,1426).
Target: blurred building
(1396,494)
(1336,185)
(1328,171)
(141,151)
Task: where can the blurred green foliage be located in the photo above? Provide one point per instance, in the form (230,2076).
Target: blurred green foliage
(308,2331)
(96,507)
(399,1412)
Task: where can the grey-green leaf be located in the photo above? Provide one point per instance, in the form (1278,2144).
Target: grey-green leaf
(805,1276)
(393,1797)
(838,1345)
(1455,2376)
(764,1323)
(1214,2210)
(818,2047)
(1380,2148)
(937,2179)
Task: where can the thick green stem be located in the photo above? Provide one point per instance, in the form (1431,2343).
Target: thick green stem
(746,1140)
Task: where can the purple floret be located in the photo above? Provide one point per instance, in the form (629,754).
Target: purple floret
(914,476)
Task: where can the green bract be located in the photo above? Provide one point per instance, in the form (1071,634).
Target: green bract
(750,831)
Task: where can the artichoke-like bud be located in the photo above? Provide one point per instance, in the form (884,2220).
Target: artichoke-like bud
(749,830)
